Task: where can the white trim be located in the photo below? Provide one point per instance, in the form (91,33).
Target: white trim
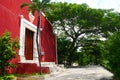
(43,13)
(26,24)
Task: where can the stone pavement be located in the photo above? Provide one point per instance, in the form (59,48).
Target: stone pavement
(85,73)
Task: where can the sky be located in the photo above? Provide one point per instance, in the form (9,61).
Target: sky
(103,4)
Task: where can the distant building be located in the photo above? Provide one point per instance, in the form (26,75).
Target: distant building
(22,24)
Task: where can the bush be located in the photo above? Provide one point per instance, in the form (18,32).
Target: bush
(8,48)
(7,77)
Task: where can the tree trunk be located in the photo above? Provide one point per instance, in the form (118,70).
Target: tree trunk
(38,46)
(70,57)
(3,70)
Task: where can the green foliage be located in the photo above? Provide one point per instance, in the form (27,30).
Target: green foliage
(81,16)
(90,49)
(7,77)
(113,53)
(36,5)
(85,59)
(8,48)
(62,47)
(76,21)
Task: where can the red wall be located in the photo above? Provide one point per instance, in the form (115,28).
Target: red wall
(48,41)
(10,18)
(10,21)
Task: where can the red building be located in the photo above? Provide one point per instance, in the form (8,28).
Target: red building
(18,22)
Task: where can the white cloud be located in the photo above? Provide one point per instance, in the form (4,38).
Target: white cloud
(104,4)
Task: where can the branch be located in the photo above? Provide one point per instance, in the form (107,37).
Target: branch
(64,28)
(89,31)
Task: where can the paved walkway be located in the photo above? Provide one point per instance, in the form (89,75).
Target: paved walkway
(86,73)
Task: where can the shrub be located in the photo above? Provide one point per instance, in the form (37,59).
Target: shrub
(7,77)
(8,48)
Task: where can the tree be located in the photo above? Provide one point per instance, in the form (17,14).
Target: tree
(37,5)
(112,50)
(93,52)
(62,46)
(8,48)
(76,21)
(91,49)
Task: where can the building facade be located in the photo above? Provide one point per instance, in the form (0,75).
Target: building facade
(22,24)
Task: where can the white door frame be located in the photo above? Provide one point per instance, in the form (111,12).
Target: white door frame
(26,24)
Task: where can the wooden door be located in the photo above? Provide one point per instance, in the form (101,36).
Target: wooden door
(29,44)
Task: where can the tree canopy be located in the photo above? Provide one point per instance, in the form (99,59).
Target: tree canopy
(76,21)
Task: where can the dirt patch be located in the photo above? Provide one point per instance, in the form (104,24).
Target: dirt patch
(30,78)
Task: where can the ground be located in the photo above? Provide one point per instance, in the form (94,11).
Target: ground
(84,73)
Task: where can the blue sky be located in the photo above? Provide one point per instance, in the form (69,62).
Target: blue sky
(104,4)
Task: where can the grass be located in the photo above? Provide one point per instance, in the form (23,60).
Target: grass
(12,76)
(7,77)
